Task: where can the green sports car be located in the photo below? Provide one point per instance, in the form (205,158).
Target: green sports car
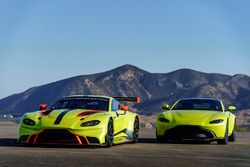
(81,120)
(196,119)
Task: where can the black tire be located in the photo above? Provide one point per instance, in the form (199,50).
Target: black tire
(160,139)
(232,137)
(136,131)
(109,138)
(225,140)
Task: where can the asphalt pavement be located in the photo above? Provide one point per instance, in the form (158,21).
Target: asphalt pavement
(145,153)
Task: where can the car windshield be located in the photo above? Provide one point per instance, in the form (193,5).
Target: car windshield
(198,104)
(91,103)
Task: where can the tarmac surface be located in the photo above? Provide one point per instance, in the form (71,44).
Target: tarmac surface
(145,153)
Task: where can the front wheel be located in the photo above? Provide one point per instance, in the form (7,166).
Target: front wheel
(160,139)
(225,140)
(232,137)
(109,138)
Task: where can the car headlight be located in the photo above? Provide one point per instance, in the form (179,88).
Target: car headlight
(28,121)
(217,121)
(164,120)
(90,123)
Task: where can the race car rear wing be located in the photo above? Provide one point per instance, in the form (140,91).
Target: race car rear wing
(129,99)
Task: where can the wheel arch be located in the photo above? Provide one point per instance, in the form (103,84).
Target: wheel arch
(131,119)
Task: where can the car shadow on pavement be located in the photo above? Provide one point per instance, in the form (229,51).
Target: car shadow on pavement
(153,140)
(8,142)
(147,140)
(12,142)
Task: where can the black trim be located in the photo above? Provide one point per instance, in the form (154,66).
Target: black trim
(23,139)
(93,140)
(127,131)
(47,112)
(60,116)
(122,131)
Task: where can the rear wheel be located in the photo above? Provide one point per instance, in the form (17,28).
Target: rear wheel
(225,140)
(136,131)
(110,134)
(232,137)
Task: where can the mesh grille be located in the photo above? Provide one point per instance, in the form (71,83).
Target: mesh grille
(56,136)
(188,132)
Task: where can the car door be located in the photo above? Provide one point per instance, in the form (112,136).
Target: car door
(119,119)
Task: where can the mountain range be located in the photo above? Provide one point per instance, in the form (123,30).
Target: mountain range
(127,80)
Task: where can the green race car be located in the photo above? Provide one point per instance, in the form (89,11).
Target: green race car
(196,119)
(81,120)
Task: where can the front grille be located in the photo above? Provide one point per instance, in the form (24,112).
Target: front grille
(56,136)
(188,132)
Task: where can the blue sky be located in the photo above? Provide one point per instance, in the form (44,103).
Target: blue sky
(49,40)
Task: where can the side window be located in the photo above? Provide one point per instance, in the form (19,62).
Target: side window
(115,105)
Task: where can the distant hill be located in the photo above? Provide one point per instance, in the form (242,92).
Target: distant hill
(153,88)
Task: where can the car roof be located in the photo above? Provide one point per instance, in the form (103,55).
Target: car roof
(79,96)
(203,98)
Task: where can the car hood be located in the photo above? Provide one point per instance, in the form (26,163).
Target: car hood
(67,118)
(195,117)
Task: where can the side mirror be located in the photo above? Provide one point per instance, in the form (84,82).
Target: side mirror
(231,108)
(125,108)
(165,106)
(42,107)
